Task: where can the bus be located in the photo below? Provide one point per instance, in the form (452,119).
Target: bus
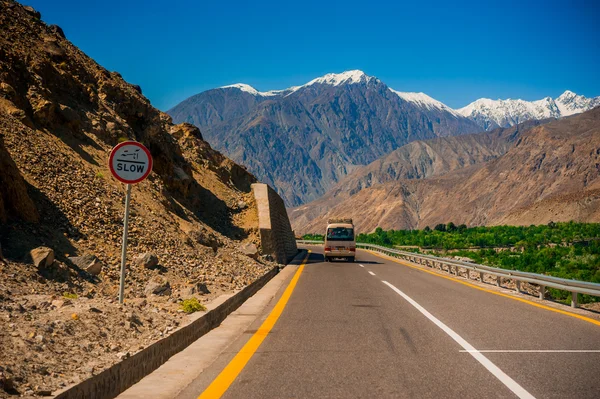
(339,240)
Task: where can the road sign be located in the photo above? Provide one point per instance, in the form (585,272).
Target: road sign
(130,162)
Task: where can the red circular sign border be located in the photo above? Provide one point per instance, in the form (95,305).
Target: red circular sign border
(112,155)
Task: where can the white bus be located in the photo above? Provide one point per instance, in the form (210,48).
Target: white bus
(339,240)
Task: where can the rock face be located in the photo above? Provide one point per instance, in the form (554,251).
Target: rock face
(60,115)
(417,160)
(303,140)
(551,173)
(14,198)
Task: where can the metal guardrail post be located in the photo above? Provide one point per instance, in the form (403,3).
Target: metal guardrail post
(574,303)
(517,286)
(481,276)
(542,292)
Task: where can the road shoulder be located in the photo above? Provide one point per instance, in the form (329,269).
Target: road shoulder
(182,369)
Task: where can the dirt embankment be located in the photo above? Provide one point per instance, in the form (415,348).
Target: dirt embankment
(60,114)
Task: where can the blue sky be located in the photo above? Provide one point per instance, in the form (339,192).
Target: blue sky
(454,51)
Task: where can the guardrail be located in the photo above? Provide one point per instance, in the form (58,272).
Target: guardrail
(454,266)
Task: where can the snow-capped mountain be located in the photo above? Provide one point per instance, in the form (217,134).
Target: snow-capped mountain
(487,113)
(570,103)
(303,139)
(332,79)
(424,101)
(421,100)
(490,114)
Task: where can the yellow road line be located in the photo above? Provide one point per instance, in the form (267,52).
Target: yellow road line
(537,305)
(218,387)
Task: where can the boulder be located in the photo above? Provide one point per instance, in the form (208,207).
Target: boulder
(44,111)
(59,303)
(186,132)
(7,90)
(89,263)
(158,286)
(6,382)
(42,257)
(181,180)
(249,249)
(54,50)
(197,288)
(70,116)
(32,11)
(146,260)
(57,30)
(206,238)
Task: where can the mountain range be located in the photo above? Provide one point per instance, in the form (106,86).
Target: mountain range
(304,139)
(490,114)
(534,174)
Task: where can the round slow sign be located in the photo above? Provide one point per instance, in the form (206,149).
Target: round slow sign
(130,162)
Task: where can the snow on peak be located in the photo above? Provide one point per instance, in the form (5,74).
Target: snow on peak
(570,103)
(424,101)
(336,79)
(252,90)
(492,113)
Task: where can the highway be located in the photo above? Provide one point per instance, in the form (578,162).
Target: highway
(379,328)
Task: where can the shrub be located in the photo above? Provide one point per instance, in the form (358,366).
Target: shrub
(99,175)
(70,295)
(192,305)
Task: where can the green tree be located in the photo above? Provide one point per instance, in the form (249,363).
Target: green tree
(440,227)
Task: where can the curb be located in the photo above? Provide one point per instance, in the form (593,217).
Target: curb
(120,376)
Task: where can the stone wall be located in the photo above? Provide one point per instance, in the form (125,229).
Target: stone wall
(276,235)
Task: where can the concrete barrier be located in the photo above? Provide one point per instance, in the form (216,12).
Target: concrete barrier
(276,235)
(117,378)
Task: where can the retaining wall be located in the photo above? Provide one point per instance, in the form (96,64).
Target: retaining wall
(119,377)
(276,235)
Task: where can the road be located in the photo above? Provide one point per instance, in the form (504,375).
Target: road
(379,328)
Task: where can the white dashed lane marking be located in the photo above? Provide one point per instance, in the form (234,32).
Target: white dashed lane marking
(485,362)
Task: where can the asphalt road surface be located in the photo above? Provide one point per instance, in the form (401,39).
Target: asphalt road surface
(379,329)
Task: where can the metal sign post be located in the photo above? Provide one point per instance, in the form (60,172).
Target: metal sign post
(130,162)
(124,246)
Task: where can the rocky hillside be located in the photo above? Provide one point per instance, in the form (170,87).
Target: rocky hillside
(61,214)
(551,173)
(417,160)
(304,139)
